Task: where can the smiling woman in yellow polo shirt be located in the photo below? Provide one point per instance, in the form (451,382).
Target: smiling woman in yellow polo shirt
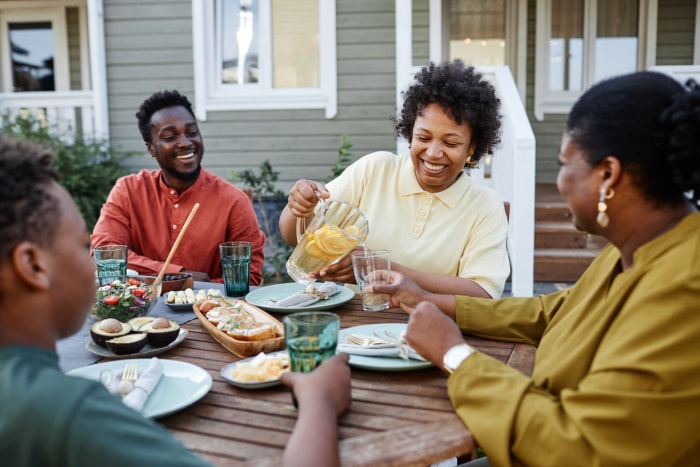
(442,229)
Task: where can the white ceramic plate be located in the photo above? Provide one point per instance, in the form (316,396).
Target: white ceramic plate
(381,363)
(262,296)
(226,374)
(147,351)
(182,384)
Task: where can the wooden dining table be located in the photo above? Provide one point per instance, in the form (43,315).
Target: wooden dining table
(395,418)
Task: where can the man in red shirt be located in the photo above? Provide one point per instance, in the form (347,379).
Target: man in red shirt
(147,210)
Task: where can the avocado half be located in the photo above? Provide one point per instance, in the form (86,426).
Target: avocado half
(138,322)
(161,331)
(128,344)
(102,331)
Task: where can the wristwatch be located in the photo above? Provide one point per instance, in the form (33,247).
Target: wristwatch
(455,356)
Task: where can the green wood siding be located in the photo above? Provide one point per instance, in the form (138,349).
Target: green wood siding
(73,26)
(676,32)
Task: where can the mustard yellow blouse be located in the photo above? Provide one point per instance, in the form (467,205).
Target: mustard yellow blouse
(617,371)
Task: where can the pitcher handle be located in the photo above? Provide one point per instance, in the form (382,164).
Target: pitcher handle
(301,222)
(301,228)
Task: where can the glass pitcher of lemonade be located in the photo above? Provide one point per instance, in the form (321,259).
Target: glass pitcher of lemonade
(336,228)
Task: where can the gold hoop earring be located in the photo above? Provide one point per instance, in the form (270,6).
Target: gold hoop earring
(603,219)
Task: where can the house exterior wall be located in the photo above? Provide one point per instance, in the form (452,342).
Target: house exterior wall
(548,131)
(72,24)
(149,48)
(675,36)
(676,29)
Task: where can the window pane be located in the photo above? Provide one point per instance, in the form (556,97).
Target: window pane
(478,32)
(566,46)
(32,47)
(617,40)
(295,48)
(239,31)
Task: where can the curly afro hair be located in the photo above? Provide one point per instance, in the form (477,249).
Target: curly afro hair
(157,101)
(28,212)
(463,94)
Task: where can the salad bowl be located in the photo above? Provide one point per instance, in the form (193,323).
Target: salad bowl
(124,300)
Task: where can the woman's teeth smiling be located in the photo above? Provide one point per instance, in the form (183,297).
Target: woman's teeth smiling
(431,166)
(185,156)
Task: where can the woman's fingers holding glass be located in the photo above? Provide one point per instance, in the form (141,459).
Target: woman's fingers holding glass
(330,380)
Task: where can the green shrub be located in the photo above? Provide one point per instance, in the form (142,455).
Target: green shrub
(268,202)
(343,160)
(87,170)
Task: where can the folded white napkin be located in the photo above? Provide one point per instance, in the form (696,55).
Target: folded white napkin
(390,349)
(312,294)
(134,395)
(144,386)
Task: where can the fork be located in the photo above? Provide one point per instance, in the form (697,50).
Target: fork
(129,376)
(362,340)
(130,373)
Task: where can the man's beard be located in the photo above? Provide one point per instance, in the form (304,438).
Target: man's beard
(184,176)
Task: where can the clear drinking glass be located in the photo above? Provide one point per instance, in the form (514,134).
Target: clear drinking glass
(311,338)
(372,267)
(235,262)
(111,263)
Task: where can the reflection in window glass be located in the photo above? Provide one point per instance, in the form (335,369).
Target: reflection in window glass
(239,31)
(478,32)
(32,46)
(294,29)
(566,46)
(617,41)
(295,47)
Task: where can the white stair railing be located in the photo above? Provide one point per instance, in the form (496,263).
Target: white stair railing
(512,175)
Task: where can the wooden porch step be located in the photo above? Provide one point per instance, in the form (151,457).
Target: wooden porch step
(562,252)
(562,265)
(552,212)
(559,235)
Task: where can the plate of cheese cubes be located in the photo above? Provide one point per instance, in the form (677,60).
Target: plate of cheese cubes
(182,300)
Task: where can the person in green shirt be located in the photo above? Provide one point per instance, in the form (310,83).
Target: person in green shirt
(616,379)
(47,285)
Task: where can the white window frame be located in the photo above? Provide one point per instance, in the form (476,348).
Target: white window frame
(560,102)
(209,95)
(57,17)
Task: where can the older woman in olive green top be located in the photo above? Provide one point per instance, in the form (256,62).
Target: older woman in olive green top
(617,372)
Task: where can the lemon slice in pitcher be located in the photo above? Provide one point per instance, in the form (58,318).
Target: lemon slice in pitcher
(353,231)
(313,249)
(335,244)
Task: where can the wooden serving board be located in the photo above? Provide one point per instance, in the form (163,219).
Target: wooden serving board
(238,347)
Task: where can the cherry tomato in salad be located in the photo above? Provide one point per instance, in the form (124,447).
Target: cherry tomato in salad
(134,281)
(111,300)
(140,291)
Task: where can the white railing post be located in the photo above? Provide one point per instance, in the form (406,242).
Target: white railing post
(513,177)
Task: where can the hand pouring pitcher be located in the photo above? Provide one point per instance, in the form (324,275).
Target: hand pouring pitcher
(336,228)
